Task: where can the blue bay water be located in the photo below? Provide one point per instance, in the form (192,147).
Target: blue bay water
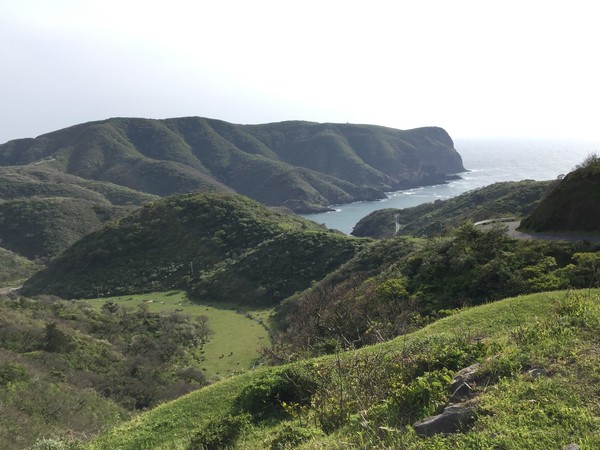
(488,161)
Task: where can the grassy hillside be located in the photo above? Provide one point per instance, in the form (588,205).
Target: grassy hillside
(43,211)
(508,199)
(400,284)
(15,269)
(302,165)
(201,243)
(371,398)
(237,333)
(67,369)
(573,203)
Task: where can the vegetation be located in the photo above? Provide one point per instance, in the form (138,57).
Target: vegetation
(400,284)
(372,397)
(14,269)
(573,204)
(203,243)
(68,369)
(43,211)
(237,332)
(301,165)
(507,199)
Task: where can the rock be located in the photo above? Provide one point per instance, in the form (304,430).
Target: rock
(465,375)
(461,393)
(536,373)
(571,447)
(454,418)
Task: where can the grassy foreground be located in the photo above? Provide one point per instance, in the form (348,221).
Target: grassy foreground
(238,332)
(370,398)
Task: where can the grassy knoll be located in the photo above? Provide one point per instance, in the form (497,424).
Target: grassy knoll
(236,336)
(370,398)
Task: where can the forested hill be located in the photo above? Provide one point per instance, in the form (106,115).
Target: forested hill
(220,247)
(302,165)
(573,204)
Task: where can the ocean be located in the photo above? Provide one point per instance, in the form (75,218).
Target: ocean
(487,161)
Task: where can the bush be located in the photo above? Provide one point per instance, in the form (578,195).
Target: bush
(264,398)
(220,433)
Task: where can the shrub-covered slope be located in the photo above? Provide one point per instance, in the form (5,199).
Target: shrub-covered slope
(43,211)
(399,284)
(302,165)
(69,370)
(573,205)
(537,357)
(218,246)
(508,199)
(14,269)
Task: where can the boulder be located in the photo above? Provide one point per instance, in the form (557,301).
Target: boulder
(461,393)
(466,375)
(454,418)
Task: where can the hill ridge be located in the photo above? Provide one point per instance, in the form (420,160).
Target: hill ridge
(305,166)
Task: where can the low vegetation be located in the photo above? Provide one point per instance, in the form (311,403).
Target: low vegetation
(304,166)
(213,245)
(507,199)
(15,269)
(237,333)
(400,284)
(67,368)
(371,398)
(572,206)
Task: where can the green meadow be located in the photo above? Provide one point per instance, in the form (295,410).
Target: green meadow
(237,332)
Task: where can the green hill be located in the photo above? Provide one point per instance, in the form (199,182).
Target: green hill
(14,269)
(67,369)
(220,247)
(573,203)
(302,165)
(537,359)
(507,199)
(43,211)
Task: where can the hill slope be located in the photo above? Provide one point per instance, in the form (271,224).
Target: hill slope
(43,211)
(214,245)
(573,204)
(497,200)
(302,165)
(371,398)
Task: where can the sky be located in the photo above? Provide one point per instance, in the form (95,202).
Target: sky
(476,68)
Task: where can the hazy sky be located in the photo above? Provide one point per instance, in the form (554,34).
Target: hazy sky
(476,68)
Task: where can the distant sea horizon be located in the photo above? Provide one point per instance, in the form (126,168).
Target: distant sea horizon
(487,161)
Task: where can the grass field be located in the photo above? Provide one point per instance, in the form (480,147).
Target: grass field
(237,334)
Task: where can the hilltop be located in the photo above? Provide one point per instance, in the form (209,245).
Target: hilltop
(304,166)
(572,205)
(217,246)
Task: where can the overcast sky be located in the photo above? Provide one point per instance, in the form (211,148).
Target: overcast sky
(476,68)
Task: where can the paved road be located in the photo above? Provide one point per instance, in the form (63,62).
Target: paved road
(570,237)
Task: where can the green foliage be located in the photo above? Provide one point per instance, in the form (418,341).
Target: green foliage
(222,247)
(301,165)
(269,394)
(507,199)
(220,433)
(397,285)
(571,206)
(14,269)
(369,398)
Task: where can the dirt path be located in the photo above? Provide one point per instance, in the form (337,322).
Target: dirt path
(6,290)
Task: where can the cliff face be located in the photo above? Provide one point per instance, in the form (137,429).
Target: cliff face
(302,165)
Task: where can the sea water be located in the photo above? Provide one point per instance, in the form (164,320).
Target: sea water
(487,161)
